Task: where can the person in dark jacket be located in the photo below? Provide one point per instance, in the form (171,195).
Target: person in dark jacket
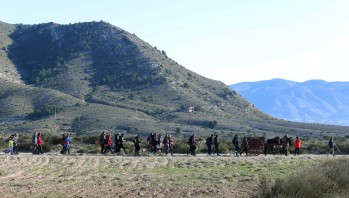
(192,145)
(137,143)
(121,143)
(116,143)
(236,144)
(330,146)
(244,146)
(216,144)
(102,139)
(209,142)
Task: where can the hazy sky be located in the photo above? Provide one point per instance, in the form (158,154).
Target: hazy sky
(227,40)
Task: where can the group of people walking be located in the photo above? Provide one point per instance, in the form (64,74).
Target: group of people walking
(155,142)
(106,143)
(159,143)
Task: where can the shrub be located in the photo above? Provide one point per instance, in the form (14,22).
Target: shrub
(328,179)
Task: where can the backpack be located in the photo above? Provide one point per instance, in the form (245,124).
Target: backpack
(207,141)
(190,140)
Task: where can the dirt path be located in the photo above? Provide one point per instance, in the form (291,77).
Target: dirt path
(117,176)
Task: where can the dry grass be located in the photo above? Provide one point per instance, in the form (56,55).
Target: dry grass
(155,176)
(327,179)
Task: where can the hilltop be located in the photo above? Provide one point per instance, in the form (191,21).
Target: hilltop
(88,77)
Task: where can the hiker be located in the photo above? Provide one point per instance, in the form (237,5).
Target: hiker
(40,143)
(121,143)
(149,140)
(15,143)
(102,141)
(236,144)
(168,144)
(154,143)
(171,143)
(35,142)
(116,143)
(330,146)
(62,143)
(209,142)
(216,144)
(297,146)
(245,146)
(159,142)
(192,145)
(137,144)
(108,144)
(10,146)
(66,144)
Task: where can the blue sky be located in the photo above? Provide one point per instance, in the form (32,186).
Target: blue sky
(227,40)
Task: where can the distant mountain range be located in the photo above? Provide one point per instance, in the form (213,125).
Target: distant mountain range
(313,101)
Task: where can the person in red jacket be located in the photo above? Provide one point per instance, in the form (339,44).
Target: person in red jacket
(40,143)
(297,146)
(108,144)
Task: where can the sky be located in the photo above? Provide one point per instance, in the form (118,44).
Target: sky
(227,40)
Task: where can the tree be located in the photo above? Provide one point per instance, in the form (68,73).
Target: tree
(212,124)
(178,130)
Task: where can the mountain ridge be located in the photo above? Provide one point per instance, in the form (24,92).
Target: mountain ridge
(310,101)
(96,76)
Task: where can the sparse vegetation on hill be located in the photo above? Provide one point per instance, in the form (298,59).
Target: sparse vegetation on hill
(99,77)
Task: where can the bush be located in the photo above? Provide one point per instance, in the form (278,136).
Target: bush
(328,179)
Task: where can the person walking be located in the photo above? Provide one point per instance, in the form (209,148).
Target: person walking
(192,145)
(15,143)
(245,146)
(236,144)
(154,143)
(102,139)
(66,144)
(116,143)
(9,146)
(216,144)
(121,143)
(35,142)
(63,151)
(209,142)
(137,144)
(159,142)
(297,146)
(40,143)
(330,146)
(170,144)
(108,144)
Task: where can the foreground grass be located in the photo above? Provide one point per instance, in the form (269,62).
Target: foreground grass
(326,179)
(154,176)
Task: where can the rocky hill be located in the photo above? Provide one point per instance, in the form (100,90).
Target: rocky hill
(311,101)
(88,77)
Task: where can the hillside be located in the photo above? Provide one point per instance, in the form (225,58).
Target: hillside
(88,77)
(311,101)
